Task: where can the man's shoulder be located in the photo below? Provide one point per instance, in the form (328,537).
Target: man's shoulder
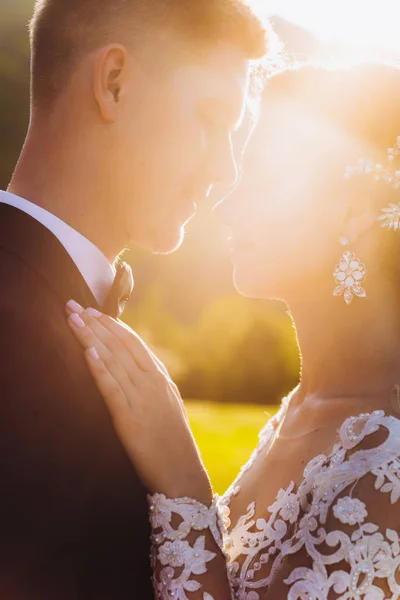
(22,285)
(36,338)
(30,309)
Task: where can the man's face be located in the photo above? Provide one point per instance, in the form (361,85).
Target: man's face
(173,142)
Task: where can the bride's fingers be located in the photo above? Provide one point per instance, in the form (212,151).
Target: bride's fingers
(92,320)
(133,341)
(117,337)
(160,365)
(137,348)
(112,361)
(108,386)
(134,344)
(142,354)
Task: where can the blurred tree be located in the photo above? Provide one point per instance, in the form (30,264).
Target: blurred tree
(14,83)
(237,350)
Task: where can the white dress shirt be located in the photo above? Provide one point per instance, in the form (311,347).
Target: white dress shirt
(95,269)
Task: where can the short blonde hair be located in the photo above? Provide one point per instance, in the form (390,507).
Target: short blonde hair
(63,30)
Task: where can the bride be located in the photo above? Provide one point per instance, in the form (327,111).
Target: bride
(315,512)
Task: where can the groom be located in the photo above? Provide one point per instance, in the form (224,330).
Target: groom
(133,105)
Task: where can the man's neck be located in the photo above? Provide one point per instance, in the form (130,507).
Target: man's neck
(59,182)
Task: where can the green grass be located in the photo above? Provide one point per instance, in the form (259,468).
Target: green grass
(227,435)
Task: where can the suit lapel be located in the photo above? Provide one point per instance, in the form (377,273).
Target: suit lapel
(26,238)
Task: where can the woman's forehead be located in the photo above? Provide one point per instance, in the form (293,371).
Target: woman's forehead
(287,132)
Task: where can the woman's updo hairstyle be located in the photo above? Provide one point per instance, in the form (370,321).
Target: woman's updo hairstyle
(364,101)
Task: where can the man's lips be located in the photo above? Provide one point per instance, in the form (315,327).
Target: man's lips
(191,199)
(188,209)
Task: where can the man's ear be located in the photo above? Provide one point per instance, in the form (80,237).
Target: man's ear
(109,78)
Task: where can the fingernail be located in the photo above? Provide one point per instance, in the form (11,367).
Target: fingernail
(94,313)
(74,307)
(92,352)
(77,321)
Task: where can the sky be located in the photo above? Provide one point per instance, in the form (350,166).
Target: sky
(359,23)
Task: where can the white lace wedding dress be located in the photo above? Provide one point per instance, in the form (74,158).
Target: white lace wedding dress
(320,533)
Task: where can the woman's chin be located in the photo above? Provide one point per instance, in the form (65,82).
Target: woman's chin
(245,283)
(251,283)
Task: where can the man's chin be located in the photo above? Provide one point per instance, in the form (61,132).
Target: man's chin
(165,243)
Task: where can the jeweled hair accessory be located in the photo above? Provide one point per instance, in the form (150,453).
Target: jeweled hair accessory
(390,217)
(350,272)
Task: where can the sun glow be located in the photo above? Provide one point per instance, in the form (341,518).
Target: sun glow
(356,23)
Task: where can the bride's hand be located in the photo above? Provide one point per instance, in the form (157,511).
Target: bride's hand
(145,406)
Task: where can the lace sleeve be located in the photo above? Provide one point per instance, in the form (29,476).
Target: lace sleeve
(346,546)
(187,549)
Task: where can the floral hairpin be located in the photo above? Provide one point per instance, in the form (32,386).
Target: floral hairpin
(350,271)
(390,217)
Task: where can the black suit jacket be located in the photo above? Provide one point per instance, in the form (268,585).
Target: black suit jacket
(73,515)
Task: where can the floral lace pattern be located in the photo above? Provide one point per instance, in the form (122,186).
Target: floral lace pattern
(297,521)
(353,559)
(174,559)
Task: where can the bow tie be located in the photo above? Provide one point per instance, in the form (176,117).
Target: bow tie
(120,292)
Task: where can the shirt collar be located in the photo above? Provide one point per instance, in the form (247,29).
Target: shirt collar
(93,265)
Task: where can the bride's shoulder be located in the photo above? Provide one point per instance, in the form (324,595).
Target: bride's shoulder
(350,520)
(367,439)
(364,465)
(365,443)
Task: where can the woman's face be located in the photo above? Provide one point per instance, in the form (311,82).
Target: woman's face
(287,214)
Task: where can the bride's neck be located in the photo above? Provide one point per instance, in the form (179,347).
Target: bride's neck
(348,351)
